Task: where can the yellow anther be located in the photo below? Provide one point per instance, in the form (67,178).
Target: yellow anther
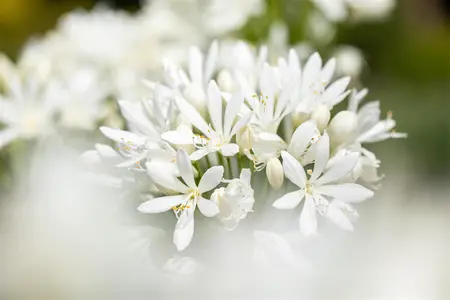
(309,171)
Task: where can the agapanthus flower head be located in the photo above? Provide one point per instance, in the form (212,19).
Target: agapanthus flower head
(284,123)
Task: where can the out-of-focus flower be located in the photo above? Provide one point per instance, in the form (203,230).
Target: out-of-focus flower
(349,61)
(236,200)
(27,109)
(361,10)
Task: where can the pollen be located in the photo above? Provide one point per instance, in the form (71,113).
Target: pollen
(390,114)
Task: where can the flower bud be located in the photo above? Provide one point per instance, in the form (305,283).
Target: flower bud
(343,127)
(196,96)
(321,115)
(225,81)
(274,172)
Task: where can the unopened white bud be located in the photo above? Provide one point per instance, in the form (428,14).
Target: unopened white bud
(321,115)
(225,81)
(343,127)
(196,96)
(274,172)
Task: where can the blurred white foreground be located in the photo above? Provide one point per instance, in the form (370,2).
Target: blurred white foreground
(64,238)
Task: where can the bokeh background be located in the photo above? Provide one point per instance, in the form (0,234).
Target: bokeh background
(402,237)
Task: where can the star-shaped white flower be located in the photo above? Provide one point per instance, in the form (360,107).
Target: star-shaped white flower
(185,204)
(322,193)
(216,137)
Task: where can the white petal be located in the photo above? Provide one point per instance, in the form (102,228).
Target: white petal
(233,107)
(293,170)
(336,215)
(215,106)
(347,192)
(290,200)
(196,65)
(339,169)
(165,179)
(210,62)
(192,115)
(200,153)
(184,230)
(122,136)
(308,218)
(335,90)
(161,204)
(311,71)
(301,138)
(178,137)
(212,178)
(89,157)
(229,149)
(241,123)
(322,156)
(246,176)
(6,136)
(106,151)
(185,168)
(328,71)
(207,207)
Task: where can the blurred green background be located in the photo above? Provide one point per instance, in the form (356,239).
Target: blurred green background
(408,65)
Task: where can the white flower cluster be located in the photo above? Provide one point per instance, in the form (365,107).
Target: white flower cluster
(360,10)
(202,134)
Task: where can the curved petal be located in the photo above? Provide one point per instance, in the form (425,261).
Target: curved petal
(293,170)
(192,115)
(241,123)
(233,107)
(184,230)
(301,138)
(322,156)
(165,179)
(122,136)
(161,204)
(308,218)
(347,192)
(212,178)
(229,149)
(339,169)
(178,137)
(207,207)
(215,106)
(290,200)
(200,153)
(185,168)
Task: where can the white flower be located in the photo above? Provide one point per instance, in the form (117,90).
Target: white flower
(349,61)
(316,89)
(193,85)
(343,128)
(83,99)
(27,109)
(185,204)
(235,201)
(217,137)
(318,189)
(269,146)
(370,128)
(221,17)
